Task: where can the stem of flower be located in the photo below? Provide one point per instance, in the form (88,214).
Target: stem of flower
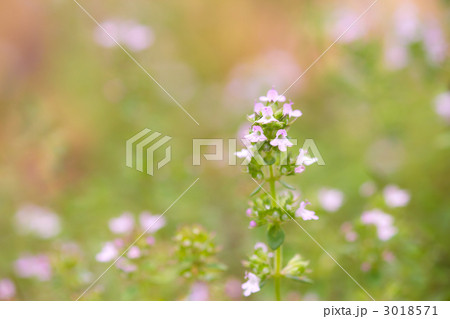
(277,274)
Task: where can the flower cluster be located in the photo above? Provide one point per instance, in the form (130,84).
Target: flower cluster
(125,227)
(196,253)
(269,159)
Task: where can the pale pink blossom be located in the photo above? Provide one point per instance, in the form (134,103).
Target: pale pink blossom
(233,288)
(125,265)
(396,55)
(342,20)
(135,36)
(299,169)
(350,234)
(304,213)
(36,220)
(244,153)
(150,240)
(388,256)
(151,223)
(281,141)
(383,222)
(123,224)
(257,135)
(249,212)
(366,266)
(442,105)
(108,253)
(267,116)
(7,289)
(262,246)
(134,252)
(252,224)
(330,199)
(395,197)
(272,96)
(435,43)
(258,107)
(37,266)
(199,292)
(251,285)
(367,189)
(287,110)
(406,23)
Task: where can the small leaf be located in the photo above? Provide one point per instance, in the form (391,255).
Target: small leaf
(270,160)
(287,185)
(275,236)
(256,190)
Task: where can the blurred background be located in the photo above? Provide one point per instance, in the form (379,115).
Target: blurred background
(377,105)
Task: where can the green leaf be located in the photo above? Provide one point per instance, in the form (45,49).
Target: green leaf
(301,279)
(256,190)
(287,185)
(275,236)
(270,160)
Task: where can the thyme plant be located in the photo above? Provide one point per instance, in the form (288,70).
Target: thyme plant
(268,161)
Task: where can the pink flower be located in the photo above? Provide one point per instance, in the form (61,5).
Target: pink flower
(262,246)
(150,240)
(252,224)
(151,223)
(383,222)
(350,234)
(366,266)
(435,44)
(249,212)
(7,289)
(251,285)
(267,116)
(396,55)
(287,110)
(258,107)
(442,105)
(125,265)
(244,153)
(304,213)
(283,143)
(342,20)
(331,199)
(256,136)
(233,288)
(123,224)
(299,169)
(33,266)
(395,197)
(39,221)
(199,292)
(367,189)
(134,36)
(272,96)
(134,252)
(108,253)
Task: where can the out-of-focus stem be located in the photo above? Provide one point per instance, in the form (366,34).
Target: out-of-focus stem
(277,274)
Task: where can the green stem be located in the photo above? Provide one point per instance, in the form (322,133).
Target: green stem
(277,274)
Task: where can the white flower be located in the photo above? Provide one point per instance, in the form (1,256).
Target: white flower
(39,221)
(303,159)
(331,199)
(257,135)
(384,223)
(122,224)
(151,223)
(244,153)
(251,285)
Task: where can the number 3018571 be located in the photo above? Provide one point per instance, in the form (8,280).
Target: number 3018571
(410,310)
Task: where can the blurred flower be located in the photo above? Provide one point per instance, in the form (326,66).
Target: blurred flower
(258,107)
(367,189)
(252,224)
(33,266)
(38,221)
(123,224)
(233,288)
(150,240)
(135,36)
(151,223)
(249,212)
(199,292)
(108,253)
(125,265)
(256,136)
(281,141)
(436,46)
(366,266)
(134,252)
(406,23)
(350,234)
(7,289)
(287,110)
(388,256)
(383,222)
(395,197)
(272,96)
(442,105)
(304,213)
(302,160)
(262,246)
(251,285)
(331,199)
(341,21)
(396,55)
(267,116)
